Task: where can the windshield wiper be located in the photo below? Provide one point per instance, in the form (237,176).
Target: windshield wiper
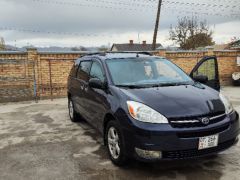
(175,84)
(132,86)
(154,85)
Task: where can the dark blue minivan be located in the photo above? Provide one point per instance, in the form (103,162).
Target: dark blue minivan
(147,108)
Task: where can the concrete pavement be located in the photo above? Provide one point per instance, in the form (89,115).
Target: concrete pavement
(38,141)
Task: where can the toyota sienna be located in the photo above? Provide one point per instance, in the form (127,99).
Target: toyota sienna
(147,108)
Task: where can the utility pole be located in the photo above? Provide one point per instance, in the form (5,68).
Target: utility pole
(156,25)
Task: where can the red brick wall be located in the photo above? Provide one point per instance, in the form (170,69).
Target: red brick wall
(15,68)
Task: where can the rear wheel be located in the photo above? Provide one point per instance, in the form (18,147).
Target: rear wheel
(115,144)
(72,113)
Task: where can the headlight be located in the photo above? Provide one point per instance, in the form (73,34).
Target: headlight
(144,113)
(227,104)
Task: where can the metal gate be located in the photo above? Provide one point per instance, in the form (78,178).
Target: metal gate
(17,80)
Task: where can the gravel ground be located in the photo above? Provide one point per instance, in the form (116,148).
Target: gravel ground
(38,141)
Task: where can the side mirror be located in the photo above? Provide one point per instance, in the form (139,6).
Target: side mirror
(96,83)
(201,78)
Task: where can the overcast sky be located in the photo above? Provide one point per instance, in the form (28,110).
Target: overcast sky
(103,22)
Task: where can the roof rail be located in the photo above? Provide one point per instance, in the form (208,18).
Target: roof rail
(94,53)
(116,52)
(137,52)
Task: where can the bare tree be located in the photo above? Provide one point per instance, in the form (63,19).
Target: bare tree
(2,44)
(190,33)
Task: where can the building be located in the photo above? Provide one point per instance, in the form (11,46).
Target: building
(131,46)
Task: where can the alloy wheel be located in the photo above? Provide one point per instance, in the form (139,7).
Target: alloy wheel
(113,143)
(71,110)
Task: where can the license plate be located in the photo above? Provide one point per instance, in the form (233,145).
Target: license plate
(208,142)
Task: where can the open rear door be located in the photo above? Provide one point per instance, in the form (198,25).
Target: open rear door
(206,72)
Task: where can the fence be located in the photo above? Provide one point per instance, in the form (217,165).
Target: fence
(32,74)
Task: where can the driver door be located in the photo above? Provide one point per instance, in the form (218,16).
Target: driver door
(207,67)
(96,99)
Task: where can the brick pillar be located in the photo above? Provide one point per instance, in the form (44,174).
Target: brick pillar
(32,59)
(161,52)
(210,51)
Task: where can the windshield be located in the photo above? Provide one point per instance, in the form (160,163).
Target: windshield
(145,71)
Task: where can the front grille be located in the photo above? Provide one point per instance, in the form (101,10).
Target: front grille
(202,133)
(192,153)
(188,122)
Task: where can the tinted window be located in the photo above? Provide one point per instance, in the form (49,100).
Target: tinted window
(83,70)
(96,71)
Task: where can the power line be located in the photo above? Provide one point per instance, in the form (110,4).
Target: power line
(198,12)
(222,14)
(236,15)
(138,4)
(55,32)
(87,5)
(218,1)
(202,4)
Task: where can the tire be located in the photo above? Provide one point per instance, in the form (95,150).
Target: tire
(72,113)
(115,144)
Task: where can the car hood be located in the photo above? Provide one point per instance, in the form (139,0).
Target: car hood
(178,101)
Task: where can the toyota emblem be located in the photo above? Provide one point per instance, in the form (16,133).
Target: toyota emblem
(205,121)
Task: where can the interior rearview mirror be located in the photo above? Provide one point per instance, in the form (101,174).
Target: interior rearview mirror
(96,83)
(201,78)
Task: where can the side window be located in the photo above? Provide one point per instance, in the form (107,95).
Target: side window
(96,71)
(207,68)
(83,70)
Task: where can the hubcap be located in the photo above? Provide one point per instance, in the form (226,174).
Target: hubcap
(71,109)
(113,143)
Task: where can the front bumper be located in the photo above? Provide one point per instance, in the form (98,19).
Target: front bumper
(179,143)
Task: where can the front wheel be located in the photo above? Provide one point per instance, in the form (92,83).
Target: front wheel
(72,113)
(115,144)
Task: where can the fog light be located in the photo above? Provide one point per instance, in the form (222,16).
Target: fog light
(148,154)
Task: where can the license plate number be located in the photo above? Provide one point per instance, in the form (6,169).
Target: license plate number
(208,142)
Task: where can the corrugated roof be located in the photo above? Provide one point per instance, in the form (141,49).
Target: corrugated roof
(134,47)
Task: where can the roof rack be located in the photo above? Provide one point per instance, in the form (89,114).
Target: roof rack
(94,53)
(103,53)
(130,52)
(116,52)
